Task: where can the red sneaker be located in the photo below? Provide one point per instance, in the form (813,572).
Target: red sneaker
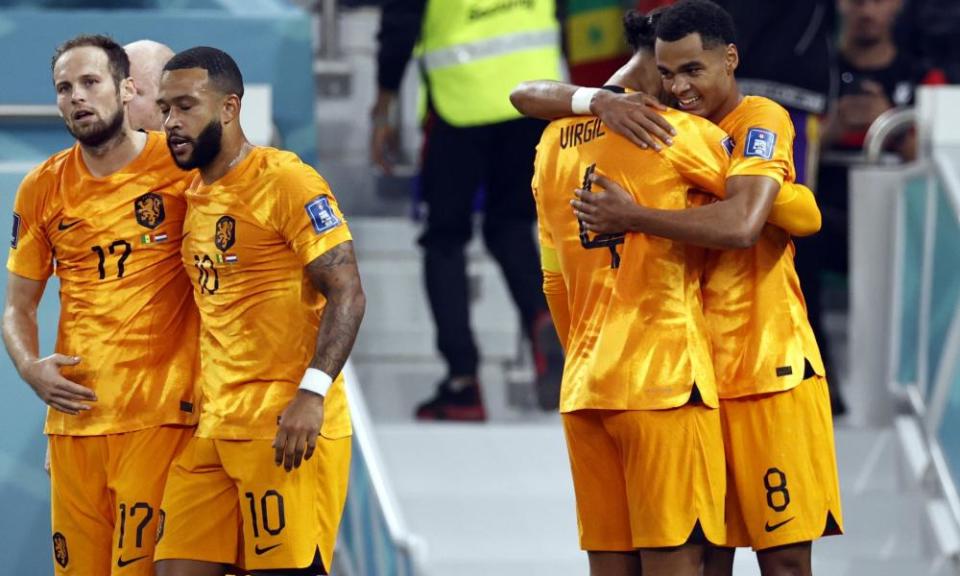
(463,405)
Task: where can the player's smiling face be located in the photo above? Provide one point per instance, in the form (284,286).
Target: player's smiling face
(191,116)
(88,97)
(701,79)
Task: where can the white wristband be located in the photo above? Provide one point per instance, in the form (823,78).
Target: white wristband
(316,381)
(580,103)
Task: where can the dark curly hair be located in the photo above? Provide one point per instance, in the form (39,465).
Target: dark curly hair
(221,68)
(713,23)
(641,29)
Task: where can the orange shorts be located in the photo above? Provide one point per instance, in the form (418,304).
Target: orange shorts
(646,478)
(227,502)
(105,499)
(782,467)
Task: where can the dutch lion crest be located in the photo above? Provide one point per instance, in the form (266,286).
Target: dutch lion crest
(226,233)
(149,210)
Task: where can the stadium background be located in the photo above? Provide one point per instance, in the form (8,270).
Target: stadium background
(496,498)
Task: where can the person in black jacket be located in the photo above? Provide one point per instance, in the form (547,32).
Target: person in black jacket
(458,161)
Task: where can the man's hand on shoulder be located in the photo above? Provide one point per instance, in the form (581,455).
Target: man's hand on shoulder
(634,116)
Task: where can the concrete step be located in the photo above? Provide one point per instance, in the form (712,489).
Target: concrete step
(398,324)
(393,389)
(498,499)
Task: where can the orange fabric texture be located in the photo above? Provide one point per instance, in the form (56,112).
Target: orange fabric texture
(125,303)
(782,467)
(752,298)
(645,478)
(226,501)
(249,236)
(105,494)
(637,339)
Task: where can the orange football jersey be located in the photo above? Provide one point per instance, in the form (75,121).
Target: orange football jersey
(637,338)
(752,298)
(125,304)
(249,236)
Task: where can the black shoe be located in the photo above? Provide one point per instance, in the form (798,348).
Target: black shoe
(463,405)
(548,362)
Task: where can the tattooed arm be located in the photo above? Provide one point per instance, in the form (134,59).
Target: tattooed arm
(334,274)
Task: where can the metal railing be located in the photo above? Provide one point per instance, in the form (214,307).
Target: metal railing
(374,538)
(890,123)
(29,112)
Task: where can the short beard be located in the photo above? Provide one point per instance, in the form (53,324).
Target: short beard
(101,132)
(206,147)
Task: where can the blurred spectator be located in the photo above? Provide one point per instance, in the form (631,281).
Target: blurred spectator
(874,75)
(472,55)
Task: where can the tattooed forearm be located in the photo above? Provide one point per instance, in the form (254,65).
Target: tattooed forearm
(335,275)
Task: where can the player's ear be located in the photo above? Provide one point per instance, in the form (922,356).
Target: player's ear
(230,111)
(732,58)
(127,90)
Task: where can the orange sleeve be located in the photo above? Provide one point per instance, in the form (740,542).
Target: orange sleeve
(554,286)
(766,147)
(700,154)
(795,210)
(548,251)
(306,213)
(31,254)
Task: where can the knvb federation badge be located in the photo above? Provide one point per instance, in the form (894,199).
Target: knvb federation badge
(149,210)
(226,233)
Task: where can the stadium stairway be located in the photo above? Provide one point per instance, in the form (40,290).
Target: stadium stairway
(497,498)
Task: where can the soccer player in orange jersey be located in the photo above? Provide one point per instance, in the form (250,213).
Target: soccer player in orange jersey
(263,484)
(600,289)
(784,490)
(106,217)
(638,405)
(146,60)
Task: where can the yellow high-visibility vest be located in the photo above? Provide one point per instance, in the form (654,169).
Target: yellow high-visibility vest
(474,52)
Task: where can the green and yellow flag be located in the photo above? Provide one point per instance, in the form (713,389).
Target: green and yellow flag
(595,43)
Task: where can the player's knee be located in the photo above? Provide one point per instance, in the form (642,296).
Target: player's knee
(790,561)
(718,561)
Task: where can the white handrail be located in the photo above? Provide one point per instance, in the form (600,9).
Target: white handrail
(29,111)
(886,124)
(370,452)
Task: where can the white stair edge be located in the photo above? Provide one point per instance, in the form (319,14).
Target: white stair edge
(944,527)
(914,448)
